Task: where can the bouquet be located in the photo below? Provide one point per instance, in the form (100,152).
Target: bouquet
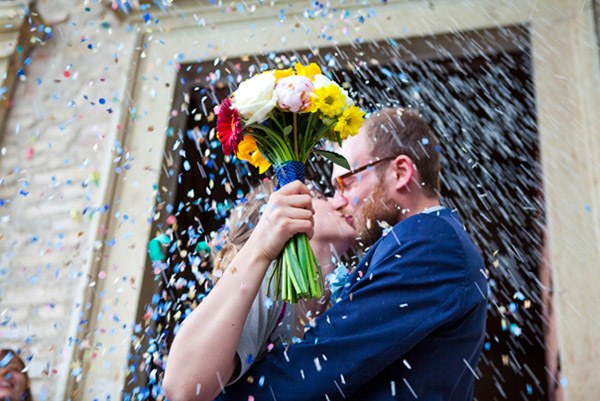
(277,118)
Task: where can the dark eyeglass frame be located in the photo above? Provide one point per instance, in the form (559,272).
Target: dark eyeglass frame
(340,179)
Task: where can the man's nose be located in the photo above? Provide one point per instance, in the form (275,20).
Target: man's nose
(338,201)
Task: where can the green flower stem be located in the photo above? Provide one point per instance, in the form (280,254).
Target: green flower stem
(303,263)
(295,126)
(280,149)
(319,275)
(273,114)
(314,285)
(294,273)
(284,278)
(275,280)
(303,246)
(308,135)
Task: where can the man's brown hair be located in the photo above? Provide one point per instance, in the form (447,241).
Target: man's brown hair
(398,131)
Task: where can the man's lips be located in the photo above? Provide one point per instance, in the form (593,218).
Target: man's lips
(349,220)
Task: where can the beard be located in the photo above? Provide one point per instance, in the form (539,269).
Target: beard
(378,208)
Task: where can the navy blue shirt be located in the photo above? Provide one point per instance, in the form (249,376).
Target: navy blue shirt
(411,324)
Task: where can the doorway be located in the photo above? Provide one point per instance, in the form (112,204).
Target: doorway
(475,89)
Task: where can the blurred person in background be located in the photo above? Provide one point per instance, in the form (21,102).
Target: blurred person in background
(14,381)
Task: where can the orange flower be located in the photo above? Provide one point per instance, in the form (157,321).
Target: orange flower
(248,150)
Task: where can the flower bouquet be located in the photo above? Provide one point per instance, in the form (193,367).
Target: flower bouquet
(277,118)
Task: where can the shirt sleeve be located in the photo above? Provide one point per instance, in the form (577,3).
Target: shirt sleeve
(414,284)
(260,323)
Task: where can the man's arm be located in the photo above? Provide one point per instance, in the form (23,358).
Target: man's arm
(413,286)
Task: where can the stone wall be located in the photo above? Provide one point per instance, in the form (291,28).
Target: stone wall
(57,144)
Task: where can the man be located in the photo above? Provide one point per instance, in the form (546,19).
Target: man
(411,323)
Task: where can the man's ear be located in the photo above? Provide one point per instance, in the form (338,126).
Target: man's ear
(403,171)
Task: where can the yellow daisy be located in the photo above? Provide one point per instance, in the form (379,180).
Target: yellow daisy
(282,73)
(329,100)
(350,122)
(309,71)
(248,150)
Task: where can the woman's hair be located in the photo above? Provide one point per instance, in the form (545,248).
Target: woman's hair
(242,220)
(26,396)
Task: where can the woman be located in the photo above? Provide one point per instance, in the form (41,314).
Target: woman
(211,348)
(14,382)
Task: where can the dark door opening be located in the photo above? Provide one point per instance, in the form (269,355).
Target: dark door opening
(476,90)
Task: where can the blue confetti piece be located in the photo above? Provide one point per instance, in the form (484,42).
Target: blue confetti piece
(6,360)
(392,42)
(387,72)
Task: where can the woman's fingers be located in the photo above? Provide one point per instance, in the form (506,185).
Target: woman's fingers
(288,212)
(283,212)
(302,201)
(294,187)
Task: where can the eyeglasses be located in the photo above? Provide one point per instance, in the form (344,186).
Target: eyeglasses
(340,179)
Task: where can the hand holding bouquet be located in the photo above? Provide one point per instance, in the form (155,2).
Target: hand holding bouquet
(277,118)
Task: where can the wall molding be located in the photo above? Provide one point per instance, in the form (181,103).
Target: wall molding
(21,28)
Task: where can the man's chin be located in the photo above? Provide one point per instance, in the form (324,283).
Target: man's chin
(367,236)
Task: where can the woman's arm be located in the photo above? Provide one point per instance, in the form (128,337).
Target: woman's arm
(203,355)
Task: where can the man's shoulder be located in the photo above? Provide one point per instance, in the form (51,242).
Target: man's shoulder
(436,225)
(423,236)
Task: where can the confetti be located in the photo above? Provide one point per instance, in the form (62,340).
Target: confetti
(61,129)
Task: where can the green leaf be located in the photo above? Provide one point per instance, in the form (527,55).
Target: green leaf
(287,130)
(334,157)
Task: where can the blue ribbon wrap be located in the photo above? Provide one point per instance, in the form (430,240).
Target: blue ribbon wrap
(288,172)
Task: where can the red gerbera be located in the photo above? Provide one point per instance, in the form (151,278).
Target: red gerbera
(229,127)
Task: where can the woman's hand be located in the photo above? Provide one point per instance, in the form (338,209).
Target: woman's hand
(288,212)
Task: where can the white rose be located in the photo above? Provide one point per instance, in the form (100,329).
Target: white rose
(255,97)
(321,80)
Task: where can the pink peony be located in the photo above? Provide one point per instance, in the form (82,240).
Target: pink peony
(293,93)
